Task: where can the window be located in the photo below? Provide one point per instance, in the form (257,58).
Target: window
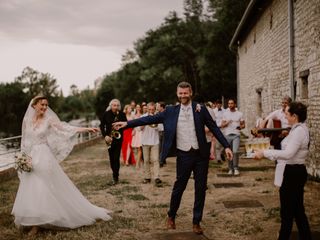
(304,84)
(259,101)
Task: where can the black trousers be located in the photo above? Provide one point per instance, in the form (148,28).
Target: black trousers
(291,201)
(114,156)
(188,162)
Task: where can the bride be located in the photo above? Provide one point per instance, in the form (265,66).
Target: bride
(46,196)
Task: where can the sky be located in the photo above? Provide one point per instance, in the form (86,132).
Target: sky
(76,41)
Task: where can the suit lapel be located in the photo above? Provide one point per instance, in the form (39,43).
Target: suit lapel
(176,116)
(196,119)
(195,113)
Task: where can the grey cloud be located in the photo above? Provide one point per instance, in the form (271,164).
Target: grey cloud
(97,22)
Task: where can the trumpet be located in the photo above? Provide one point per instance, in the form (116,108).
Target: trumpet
(154,125)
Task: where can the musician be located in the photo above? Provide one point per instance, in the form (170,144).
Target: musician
(280,116)
(111,115)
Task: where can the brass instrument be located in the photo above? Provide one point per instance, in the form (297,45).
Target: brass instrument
(114,133)
(154,125)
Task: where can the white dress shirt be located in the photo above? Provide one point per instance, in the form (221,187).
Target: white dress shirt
(294,150)
(186,132)
(149,135)
(235,117)
(294,147)
(279,115)
(219,115)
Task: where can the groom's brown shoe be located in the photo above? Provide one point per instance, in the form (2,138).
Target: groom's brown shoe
(197,229)
(170,223)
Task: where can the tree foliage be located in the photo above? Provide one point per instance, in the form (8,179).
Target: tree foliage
(37,83)
(13,104)
(192,48)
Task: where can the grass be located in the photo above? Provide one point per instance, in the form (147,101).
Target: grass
(272,213)
(136,197)
(140,210)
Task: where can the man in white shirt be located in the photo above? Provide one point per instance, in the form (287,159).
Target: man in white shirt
(218,112)
(150,147)
(280,115)
(233,122)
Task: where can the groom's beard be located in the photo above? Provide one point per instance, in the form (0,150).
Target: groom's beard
(184,100)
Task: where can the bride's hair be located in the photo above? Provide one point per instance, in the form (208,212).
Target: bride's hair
(36,99)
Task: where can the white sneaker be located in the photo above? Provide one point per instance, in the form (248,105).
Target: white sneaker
(236,172)
(230,172)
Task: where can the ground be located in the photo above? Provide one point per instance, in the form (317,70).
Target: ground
(139,210)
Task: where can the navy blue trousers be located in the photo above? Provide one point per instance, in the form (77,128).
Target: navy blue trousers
(188,162)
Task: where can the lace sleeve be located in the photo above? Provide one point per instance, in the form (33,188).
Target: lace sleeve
(61,138)
(24,146)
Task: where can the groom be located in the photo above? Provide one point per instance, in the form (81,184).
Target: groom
(184,126)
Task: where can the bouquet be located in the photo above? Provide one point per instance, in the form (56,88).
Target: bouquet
(23,162)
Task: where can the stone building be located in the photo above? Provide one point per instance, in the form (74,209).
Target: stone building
(278,53)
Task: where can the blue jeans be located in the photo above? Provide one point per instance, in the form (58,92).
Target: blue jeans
(234,141)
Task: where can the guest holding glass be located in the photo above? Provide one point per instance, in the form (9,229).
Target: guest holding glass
(291,173)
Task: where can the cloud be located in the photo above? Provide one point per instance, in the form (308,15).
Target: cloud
(74,40)
(97,22)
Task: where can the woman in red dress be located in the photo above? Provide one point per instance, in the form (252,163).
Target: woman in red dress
(127,153)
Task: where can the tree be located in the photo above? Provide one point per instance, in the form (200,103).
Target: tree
(104,94)
(193,48)
(36,83)
(13,104)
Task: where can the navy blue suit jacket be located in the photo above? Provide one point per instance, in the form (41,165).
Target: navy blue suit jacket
(169,119)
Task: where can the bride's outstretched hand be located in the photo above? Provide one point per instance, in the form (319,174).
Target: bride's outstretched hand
(93,130)
(118,125)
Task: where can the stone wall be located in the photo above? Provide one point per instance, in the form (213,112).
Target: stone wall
(307,58)
(264,66)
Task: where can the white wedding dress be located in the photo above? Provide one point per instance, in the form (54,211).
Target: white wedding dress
(46,196)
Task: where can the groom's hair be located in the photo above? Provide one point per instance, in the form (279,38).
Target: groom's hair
(184,85)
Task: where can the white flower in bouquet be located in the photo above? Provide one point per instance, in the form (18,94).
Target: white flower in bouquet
(23,162)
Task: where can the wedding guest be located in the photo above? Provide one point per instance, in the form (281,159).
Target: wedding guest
(232,123)
(161,107)
(291,173)
(280,115)
(136,139)
(127,152)
(46,196)
(150,148)
(144,108)
(133,107)
(114,140)
(218,112)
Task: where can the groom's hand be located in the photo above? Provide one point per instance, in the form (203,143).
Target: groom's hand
(118,125)
(229,154)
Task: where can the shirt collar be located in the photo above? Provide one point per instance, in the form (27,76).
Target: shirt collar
(186,107)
